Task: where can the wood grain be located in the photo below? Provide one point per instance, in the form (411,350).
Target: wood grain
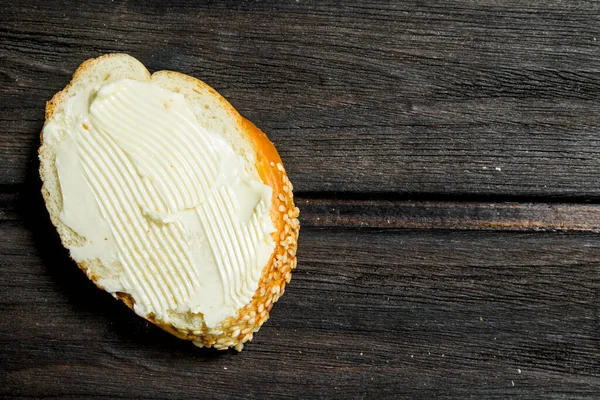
(445,159)
(457,97)
(410,313)
(370,312)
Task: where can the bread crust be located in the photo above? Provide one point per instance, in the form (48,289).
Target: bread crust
(236,330)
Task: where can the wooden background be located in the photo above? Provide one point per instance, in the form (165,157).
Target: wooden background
(446,159)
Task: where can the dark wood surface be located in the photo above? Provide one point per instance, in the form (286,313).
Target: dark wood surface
(446,160)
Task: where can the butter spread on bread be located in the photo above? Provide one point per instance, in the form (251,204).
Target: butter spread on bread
(169,200)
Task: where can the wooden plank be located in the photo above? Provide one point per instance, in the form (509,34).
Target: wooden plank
(390,314)
(9,203)
(460,97)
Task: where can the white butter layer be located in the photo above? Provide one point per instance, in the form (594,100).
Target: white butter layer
(162,202)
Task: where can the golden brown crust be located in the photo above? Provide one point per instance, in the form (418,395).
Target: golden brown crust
(236,330)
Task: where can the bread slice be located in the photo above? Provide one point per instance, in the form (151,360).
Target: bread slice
(261,160)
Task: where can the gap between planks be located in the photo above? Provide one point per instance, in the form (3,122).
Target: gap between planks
(450,215)
(406,214)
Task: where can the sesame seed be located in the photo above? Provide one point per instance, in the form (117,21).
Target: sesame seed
(273,280)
